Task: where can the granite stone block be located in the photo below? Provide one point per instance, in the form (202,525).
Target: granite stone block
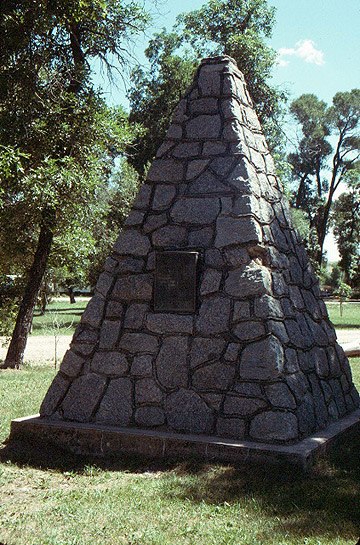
(195,415)
(110,363)
(82,397)
(116,405)
(171,363)
(262,360)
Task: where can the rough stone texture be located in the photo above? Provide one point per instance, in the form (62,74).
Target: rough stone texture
(195,210)
(249,331)
(164,194)
(142,366)
(274,426)
(169,323)
(149,416)
(194,416)
(133,243)
(94,311)
(109,334)
(171,363)
(258,358)
(210,282)
(204,350)
(135,314)
(230,427)
(110,363)
(230,230)
(72,364)
(251,280)
(201,237)
(280,395)
(169,236)
(147,391)
(134,287)
(242,406)
(116,405)
(54,395)
(262,360)
(213,376)
(213,315)
(83,397)
(137,343)
(114,309)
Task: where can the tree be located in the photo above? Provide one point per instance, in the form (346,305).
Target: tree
(319,166)
(115,201)
(54,125)
(238,28)
(346,221)
(156,92)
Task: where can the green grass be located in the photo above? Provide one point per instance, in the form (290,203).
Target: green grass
(350,318)
(49,498)
(63,317)
(60,316)
(67,316)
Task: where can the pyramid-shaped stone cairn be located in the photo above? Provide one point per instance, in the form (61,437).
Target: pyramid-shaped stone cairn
(208,318)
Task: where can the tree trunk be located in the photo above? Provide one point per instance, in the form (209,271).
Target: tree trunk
(15,354)
(72,296)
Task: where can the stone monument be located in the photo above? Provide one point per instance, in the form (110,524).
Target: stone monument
(208,318)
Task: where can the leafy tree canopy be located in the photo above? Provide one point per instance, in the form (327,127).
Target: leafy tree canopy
(327,155)
(346,221)
(238,28)
(57,136)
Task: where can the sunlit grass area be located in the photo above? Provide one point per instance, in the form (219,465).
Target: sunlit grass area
(350,317)
(63,317)
(52,498)
(60,317)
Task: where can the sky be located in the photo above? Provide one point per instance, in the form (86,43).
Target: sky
(318,45)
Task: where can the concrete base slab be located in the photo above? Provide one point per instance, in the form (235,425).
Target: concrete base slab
(109,441)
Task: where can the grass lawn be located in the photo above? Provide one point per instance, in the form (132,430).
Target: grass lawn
(350,318)
(60,316)
(63,500)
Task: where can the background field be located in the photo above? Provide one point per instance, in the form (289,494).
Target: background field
(350,317)
(60,317)
(63,317)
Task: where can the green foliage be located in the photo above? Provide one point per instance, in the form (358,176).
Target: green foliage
(346,222)
(318,165)
(343,291)
(114,202)
(233,27)
(58,139)
(156,92)
(10,288)
(335,276)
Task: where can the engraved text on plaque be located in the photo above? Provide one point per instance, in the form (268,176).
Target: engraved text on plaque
(175,281)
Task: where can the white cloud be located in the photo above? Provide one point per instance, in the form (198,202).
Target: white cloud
(304,49)
(283,62)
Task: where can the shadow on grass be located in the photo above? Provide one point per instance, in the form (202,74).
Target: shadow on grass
(346,326)
(72,310)
(324,502)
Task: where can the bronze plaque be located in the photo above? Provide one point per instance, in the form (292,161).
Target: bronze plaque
(175,281)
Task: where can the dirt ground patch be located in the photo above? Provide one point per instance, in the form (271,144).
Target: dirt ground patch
(41,348)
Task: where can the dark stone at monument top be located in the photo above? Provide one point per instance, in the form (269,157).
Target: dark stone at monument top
(208,318)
